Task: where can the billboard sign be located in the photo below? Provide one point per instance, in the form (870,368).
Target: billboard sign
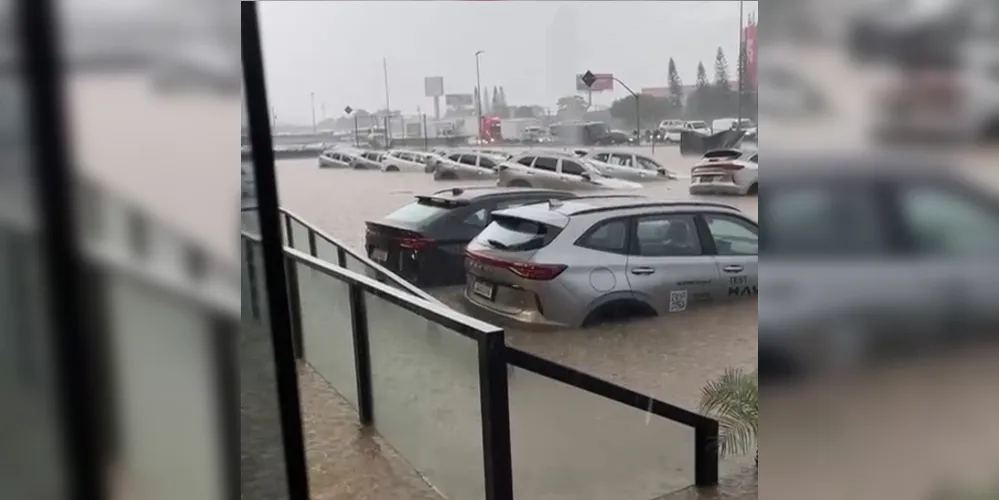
(459,100)
(752,54)
(603,81)
(433,86)
(662,92)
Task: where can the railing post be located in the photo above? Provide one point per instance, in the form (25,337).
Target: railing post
(362,354)
(341,257)
(295,305)
(706,454)
(251,276)
(495,401)
(294,299)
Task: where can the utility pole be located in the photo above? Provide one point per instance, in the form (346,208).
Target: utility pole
(478,92)
(312,99)
(742,64)
(388,106)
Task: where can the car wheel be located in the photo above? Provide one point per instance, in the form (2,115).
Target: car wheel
(391,168)
(519,184)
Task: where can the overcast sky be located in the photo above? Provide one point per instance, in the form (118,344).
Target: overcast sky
(532,49)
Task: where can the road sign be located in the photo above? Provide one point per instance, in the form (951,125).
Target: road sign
(348,110)
(433,86)
(595,82)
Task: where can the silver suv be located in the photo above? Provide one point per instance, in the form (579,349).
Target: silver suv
(586,261)
(466,165)
(557,171)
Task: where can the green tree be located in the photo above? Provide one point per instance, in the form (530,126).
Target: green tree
(733,399)
(571,106)
(675,85)
(486,103)
(702,76)
(699,104)
(652,109)
(500,107)
(721,71)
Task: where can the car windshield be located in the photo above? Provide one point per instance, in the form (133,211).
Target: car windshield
(699,125)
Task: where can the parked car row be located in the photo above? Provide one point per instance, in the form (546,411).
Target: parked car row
(550,257)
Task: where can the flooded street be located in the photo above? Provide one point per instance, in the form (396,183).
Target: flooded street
(668,357)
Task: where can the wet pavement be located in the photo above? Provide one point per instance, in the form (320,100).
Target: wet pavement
(670,358)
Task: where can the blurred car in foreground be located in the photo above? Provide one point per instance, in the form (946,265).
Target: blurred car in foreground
(727,171)
(424,241)
(586,261)
(557,171)
(872,255)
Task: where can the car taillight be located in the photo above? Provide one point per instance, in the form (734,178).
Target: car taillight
(415,243)
(526,270)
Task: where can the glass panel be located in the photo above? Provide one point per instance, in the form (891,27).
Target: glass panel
(300,235)
(262,468)
(425,382)
(360,267)
(326,251)
(327,332)
(571,444)
(167,401)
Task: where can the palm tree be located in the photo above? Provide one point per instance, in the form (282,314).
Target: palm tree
(733,399)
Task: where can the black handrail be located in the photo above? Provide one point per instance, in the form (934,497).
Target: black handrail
(495,356)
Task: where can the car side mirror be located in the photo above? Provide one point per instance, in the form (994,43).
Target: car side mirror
(586,176)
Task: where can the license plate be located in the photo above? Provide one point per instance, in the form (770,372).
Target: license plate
(483,289)
(379,255)
(707,179)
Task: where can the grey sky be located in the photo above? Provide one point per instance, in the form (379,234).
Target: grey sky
(532,49)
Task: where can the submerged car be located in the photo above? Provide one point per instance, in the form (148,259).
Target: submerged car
(627,165)
(465,165)
(339,158)
(557,171)
(424,241)
(405,161)
(581,262)
(727,171)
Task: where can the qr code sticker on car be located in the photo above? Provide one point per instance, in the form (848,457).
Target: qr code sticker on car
(677,300)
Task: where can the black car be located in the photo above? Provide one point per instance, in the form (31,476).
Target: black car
(614,137)
(424,241)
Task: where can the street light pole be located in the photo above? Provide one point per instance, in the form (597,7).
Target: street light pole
(478,92)
(638,115)
(312,99)
(742,64)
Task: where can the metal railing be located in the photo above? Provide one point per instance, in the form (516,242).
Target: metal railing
(493,361)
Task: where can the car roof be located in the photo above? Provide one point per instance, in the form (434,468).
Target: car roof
(559,213)
(478,192)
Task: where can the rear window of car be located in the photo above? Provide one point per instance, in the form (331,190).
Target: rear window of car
(517,234)
(421,211)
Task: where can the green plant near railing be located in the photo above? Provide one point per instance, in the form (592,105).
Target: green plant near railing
(733,399)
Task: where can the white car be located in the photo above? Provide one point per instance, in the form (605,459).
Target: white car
(405,161)
(672,134)
(336,158)
(727,171)
(624,164)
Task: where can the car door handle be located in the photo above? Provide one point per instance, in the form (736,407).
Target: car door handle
(732,269)
(642,271)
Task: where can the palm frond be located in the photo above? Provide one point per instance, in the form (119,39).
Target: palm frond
(733,399)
